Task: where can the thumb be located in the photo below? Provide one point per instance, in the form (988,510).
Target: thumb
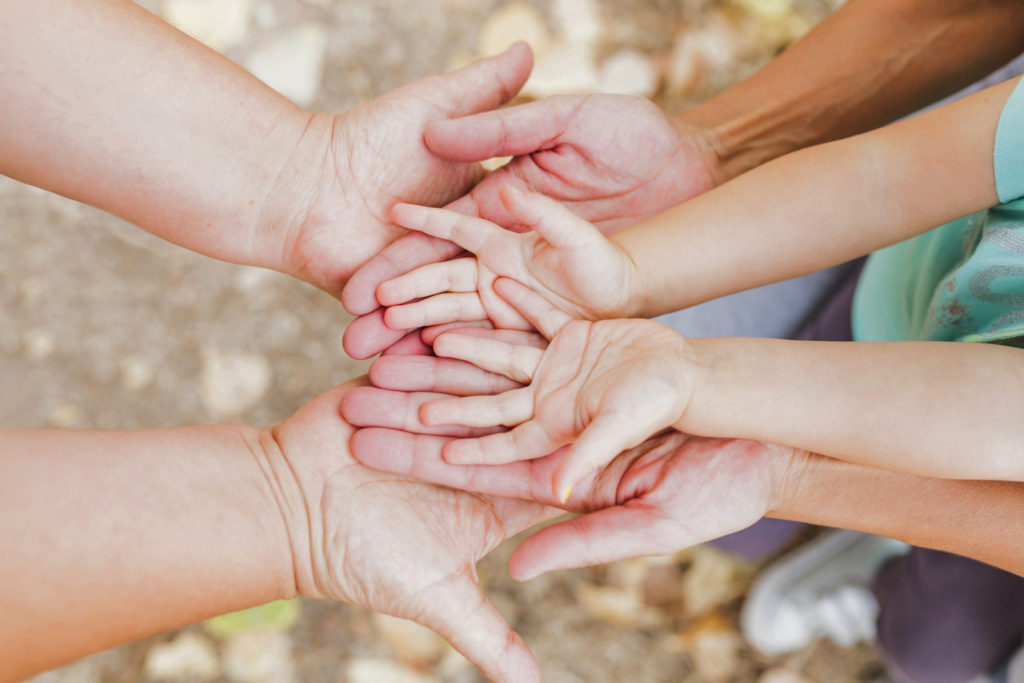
(473,625)
(483,85)
(522,129)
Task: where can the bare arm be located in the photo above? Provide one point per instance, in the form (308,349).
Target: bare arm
(869,63)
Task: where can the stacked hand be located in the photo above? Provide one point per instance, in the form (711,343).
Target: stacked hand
(398,546)
(612,160)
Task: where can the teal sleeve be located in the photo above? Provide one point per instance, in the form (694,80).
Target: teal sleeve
(1008,155)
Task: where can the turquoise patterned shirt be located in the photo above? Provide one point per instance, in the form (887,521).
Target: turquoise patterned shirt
(963,281)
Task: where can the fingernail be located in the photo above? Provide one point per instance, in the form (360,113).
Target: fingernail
(566,493)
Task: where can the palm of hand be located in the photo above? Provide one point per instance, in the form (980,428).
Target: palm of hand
(399,546)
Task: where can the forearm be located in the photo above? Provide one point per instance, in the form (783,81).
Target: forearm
(931,408)
(869,63)
(977,519)
(105,103)
(819,207)
(110,536)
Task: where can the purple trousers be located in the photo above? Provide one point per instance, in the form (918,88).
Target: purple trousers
(943,618)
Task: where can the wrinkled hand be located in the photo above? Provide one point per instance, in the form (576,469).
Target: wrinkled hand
(374,155)
(402,547)
(671,492)
(602,387)
(564,258)
(613,160)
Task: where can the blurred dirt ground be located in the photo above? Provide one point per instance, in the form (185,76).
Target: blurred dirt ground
(109,327)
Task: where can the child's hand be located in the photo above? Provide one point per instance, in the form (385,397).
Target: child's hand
(602,387)
(563,257)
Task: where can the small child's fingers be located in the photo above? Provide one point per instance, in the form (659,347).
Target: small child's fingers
(526,442)
(517,362)
(409,345)
(374,407)
(507,409)
(597,445)
(457,275)
(549,219)
(432,332)
(445,375)
(470,233)
(546,318)
(436,310)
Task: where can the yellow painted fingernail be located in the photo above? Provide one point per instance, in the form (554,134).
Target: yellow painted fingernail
(566,494)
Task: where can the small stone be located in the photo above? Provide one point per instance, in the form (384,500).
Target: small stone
(712,580)
(618,606)
(66,416)
(220,24)
(232,381)
(137,373)
(382,671)
(260,655)
(714,645)
(562,69)
(510,24)
(189,657)
(293,64)
(579,21)
(782,675)
(415,646)
(628,72)
(39,344)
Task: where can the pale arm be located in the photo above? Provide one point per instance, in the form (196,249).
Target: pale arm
(819,207)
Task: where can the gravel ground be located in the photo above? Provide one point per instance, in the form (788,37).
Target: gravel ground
(109,327)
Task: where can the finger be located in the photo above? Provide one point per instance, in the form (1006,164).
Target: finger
(367,335)
(374,407)
(483,85)
(435,310)
(458,610)
(512,131)
(409,345)
(444,375)
(517,362)
(507,409)
(526,442)
(597,445)
(457,275)
(613,533)
(549,219)
(469,232)
(410,251)
(535,308)
(519,337)
(420,457)
(431,332)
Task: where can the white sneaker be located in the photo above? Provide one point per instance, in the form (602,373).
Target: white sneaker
(819,590)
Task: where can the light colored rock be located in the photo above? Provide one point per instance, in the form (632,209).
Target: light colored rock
(618,606)
(137,373)
(66,416)
(260,655)
(232,381)
(628,72)
(220,24)
(365,670)
(712,580)
(706,52)
(189,657)
(579,21)
(414,645)
(250,279)
(562,69)
(509,24)
(292,64)
(39,344)
(714,645)
(782,675)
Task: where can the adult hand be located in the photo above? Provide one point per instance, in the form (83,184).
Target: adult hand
(613,160)
(402,547)
(374,155)
(671,492)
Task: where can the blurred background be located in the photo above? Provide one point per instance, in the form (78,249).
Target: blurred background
(109,327)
